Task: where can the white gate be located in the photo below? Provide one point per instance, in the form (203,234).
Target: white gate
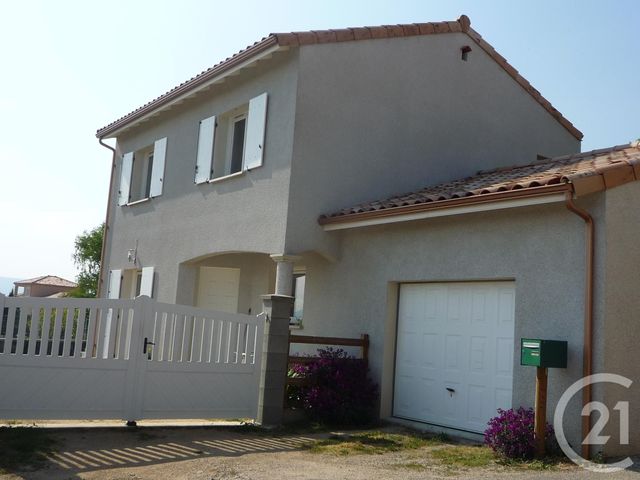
(58,360)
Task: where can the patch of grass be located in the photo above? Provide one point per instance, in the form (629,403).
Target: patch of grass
(411,466)
(23,448)
(241,420)
(464,456)
(288,429)
(442,437)
(547,463)
(371,443)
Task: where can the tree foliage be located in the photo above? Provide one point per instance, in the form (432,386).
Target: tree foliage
(86,256)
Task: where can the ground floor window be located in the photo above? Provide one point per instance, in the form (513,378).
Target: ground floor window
(131,283)
(299,280)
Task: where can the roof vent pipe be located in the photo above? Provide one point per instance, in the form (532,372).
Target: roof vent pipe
(465,52)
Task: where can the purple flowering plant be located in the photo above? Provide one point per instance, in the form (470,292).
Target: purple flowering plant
(510,434)
(340,390)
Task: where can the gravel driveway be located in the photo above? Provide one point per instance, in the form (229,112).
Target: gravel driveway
(228,453)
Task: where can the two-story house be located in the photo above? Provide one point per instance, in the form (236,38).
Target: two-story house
(231,185)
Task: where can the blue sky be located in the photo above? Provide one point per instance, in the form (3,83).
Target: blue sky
(70,67)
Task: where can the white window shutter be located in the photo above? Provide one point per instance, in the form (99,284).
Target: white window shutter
(204,157)
(146,284)
(256,123)
(115,277)
(157,172)
(125,178)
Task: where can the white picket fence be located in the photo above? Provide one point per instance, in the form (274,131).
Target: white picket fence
(126,359)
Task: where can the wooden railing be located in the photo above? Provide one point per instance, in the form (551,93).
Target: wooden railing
(362,342)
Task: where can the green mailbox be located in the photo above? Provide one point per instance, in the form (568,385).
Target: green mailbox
(543,353)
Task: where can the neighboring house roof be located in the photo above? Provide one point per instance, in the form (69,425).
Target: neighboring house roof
(295,39)
(49,280)
(581,173)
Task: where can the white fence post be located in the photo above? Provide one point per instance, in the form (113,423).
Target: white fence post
(142,313)
(2,297)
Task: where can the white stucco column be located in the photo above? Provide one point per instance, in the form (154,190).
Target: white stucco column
(284,273)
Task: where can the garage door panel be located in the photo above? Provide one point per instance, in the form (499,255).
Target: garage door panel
(454,353)
(409,384)
(506,307)
(454,306)
(432,300)
(452,402)
(409,346)
(431,350)
(478,308)
(412,304)
(477,405)
(466,345)
(504,356)
(428,389)
(478,354)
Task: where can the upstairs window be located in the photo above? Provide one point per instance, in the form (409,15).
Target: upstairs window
(141,175)
(142,172)
(236,153)
(232,142)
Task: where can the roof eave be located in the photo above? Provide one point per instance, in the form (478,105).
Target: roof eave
(282,41)
(455,206)
(523,82)
(259,51)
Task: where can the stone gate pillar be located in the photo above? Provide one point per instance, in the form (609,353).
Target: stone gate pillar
(275,353)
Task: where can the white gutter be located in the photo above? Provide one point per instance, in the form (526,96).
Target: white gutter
(445,212)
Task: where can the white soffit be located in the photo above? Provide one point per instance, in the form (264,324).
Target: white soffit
(445,212)
(231,72)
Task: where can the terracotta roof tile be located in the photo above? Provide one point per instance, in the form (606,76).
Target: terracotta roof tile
(378,32)
(344,35)
(326,36)
(294,39)
(426,28)
(361,33)
(410,30)
(584,173)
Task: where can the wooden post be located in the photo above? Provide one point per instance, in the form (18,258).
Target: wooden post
(541,411)
(365,348)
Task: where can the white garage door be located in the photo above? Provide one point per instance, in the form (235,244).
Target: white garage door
(454,360)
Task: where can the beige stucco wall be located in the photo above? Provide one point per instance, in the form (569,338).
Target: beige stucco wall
(353,121)
(622,309)
(188,221)
(381,117)
(541,248)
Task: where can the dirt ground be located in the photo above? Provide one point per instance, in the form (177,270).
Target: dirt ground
(217,453)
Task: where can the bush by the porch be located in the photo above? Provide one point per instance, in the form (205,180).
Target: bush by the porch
(339,389)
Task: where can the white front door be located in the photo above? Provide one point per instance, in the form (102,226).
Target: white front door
(218,289)
(454,355)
